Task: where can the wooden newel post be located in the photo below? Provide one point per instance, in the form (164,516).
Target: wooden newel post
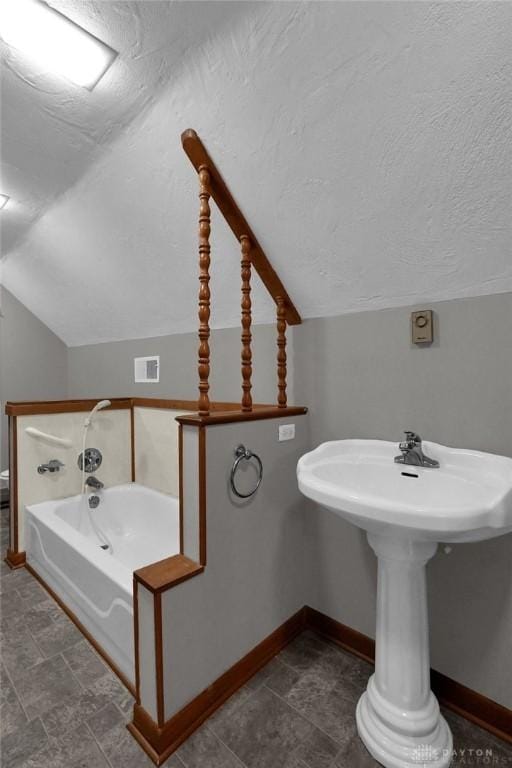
(281,352)
(246,305)
(204,291)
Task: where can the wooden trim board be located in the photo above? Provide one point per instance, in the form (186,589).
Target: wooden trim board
(183,405)
(62,406)
(202,495)
(347,638)
(473,706)
(38,407)
(132,446)
(136,639)
(13,484)
(15,559)
(159,658)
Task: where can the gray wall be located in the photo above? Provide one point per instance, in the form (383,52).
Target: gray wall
(361,377)
(33,361)
(101,370)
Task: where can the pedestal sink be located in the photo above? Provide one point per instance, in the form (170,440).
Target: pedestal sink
(406,510)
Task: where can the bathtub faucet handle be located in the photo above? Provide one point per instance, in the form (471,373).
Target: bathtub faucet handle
(54,465)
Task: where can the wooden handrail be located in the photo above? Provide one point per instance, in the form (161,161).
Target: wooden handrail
(198,156)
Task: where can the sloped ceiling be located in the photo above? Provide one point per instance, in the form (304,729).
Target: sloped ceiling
(367,143)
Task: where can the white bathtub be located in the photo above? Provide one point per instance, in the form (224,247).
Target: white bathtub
(95,584)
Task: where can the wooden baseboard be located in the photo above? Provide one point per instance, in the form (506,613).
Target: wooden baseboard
(115,669)
(15,559)
(473,706)
(159,743)
(347,638)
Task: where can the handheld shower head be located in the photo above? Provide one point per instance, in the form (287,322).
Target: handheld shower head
(98,407)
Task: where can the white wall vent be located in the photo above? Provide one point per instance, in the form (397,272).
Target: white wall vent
(147,369)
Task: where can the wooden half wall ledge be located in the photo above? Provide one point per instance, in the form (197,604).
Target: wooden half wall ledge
(227,417)
(167,573)
(159,742)
(199,157)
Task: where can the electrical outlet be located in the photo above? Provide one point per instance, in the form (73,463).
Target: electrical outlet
(286,432)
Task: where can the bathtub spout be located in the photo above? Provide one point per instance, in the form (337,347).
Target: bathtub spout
(93,482)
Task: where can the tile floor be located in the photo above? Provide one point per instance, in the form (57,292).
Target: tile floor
(61,707)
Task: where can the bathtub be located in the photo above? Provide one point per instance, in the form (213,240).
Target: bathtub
(95,583)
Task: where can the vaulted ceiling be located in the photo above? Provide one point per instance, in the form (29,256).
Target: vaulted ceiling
(367,143)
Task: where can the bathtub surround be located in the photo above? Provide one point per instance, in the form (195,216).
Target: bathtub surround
(110,433)
(156,448)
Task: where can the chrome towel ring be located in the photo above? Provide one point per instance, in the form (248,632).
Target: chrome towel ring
(244,454)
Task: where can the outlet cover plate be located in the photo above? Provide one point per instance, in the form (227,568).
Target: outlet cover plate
(286,432)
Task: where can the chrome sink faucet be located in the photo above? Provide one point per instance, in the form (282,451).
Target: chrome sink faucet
(412,452)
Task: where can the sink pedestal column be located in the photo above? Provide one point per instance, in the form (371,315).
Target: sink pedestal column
(398,716)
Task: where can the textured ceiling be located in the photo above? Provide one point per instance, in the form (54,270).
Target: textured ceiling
(52,130)
(367,143)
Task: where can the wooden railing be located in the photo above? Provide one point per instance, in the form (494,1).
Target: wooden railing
(212,185)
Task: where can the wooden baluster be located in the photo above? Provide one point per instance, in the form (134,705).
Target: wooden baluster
(281,352)
(246,324)
(204,291)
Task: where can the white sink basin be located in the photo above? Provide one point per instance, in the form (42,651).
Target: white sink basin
(406,510)
(468,498)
